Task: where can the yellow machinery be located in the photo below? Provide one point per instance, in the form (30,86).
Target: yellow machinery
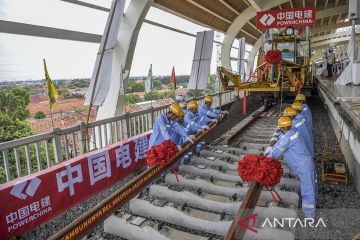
(294,69)
(334,171)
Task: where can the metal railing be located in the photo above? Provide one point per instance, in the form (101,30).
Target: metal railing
(31,154)
(339,67)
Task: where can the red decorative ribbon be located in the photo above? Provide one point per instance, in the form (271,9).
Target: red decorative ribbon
(262,73)
(266,171)
(298,85)
(161,155)
(273,57)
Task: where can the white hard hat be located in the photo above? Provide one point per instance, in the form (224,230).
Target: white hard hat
(179,97)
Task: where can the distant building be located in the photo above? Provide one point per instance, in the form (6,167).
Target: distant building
(38,98)
(69,117)
(139,94)
(181,90)
(78,91)
(130,108)
(155,103)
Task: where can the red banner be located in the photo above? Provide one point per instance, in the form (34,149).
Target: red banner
(32,200)
(295,17)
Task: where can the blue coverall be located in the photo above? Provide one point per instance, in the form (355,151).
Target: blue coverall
(307,113)
(194,123)
(179,135)
(299,125)
(200,121)
(301,164)
(165,129)
(209,111)
(185,109)
(205,120)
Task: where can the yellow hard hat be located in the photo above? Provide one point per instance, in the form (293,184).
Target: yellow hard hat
(289,112)
(300,97)
(208,99)
(284,122)
(297,106)
(192,105)
(176,109)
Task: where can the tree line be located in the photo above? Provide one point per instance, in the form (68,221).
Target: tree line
(13,112)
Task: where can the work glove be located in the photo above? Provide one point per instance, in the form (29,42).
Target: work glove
(179,147)
(267,151)
(275,139)
(205,127)
(189,139)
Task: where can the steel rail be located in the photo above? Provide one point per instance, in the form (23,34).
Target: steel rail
(246,209)
(84,224)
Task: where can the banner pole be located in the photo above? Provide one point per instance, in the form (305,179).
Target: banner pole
(197,75)
(52,120)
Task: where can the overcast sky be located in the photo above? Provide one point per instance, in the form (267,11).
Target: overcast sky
(21,56)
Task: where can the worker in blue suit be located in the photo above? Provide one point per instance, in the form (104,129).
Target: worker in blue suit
(167,127)
(181,101)
(299,125)
(306,110)
(300,162)
(299,119)
(196,122)
(210,112)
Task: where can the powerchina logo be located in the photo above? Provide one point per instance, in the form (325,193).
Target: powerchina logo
(280,222)
(267,19)
(30,189)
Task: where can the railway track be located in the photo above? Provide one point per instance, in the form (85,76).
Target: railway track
(205,200)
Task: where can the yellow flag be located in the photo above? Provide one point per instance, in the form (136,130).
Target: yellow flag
(50,89)
(209,79)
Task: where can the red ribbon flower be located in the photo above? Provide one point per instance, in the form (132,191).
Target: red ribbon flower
(273,57)
(266,171)
(161,154)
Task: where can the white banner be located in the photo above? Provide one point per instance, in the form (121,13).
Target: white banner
(202,59)
(104,78)
(148,81)
(241,60)
(346,76)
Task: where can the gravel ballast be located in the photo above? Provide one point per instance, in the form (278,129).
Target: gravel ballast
(48,229)
(336,203)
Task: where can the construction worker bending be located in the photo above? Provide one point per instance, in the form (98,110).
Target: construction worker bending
(306,110)
(299,125)
(193,120)
(196,122)
(299,120)
(181,101)
(167,127)
(300,162)
(210,112)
